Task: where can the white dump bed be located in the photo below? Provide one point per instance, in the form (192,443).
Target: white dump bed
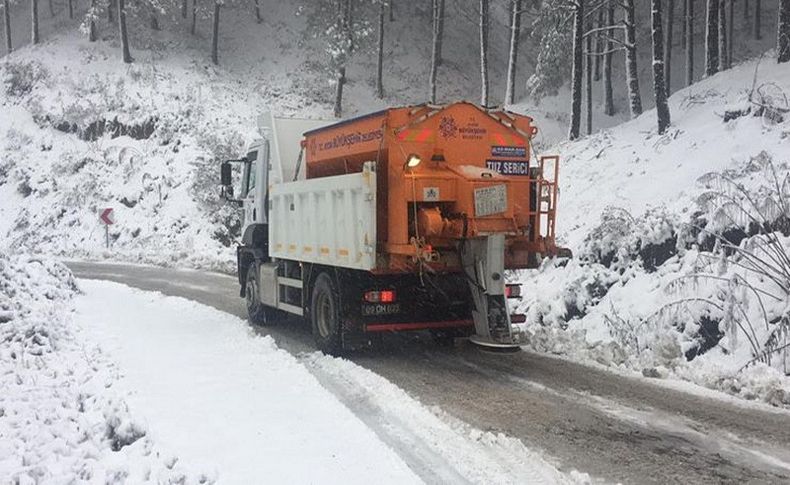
(327,220)
(285,144)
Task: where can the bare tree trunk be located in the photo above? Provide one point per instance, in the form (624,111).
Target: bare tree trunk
(730,30)
(683,25)
(380,60)
(127,56)
(51,9)
(711,38)
(344,22)
(668,45)
(348,24)
(484,52)
(392,10)
(154,21)
(341,80)
(515,37)
(71,9)
(184,9)
(723,36)
(440,38)
(434,51)
(34,24)
(662,107)
(92,32)
(783,32)
(111,17)
(7,23)
(215,35)
(758,17)
(576,71)
(598,48)
(588,61)
(193,27)
(689,23)
(632,73)
(608,98)
(258,11)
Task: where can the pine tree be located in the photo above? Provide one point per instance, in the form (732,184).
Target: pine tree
(598,46)
(722,37)
(127,56)
(34,24)
(380,50)
(484,52)
(440,36)
(632,73)
(660,89)
(576,70)
(7,24)
(512,61)
(435,13)
(215,32)
(689,23)
(783,32)
(193,25)
(344,40)
(588,74)
(92,31)
(712,38)
(730,30)
(668,45)
(608,99)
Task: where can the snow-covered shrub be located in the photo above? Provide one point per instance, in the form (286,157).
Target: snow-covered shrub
(621,240)
(19,78)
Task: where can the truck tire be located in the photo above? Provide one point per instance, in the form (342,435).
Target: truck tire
(325,316)
(257,312)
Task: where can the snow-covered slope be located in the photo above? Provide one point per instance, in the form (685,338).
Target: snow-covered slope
(649,288)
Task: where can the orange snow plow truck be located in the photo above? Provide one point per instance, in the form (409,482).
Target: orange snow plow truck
(403,219)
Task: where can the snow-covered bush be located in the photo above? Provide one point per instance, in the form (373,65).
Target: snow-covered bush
(20,77)
(620,240)
(60,419)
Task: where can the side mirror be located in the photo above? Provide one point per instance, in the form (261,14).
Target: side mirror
(226,176)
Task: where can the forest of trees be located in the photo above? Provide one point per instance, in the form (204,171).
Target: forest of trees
(592,31)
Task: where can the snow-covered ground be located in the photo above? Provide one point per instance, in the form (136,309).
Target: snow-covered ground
(106,384)
(641,213)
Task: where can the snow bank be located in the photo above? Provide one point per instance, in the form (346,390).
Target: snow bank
(61,418)
(666,232)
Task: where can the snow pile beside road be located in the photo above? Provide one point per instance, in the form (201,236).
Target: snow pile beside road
(60,417)
(680,243)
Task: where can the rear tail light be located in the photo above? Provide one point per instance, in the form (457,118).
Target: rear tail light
(384,296)
(513,291)
(518,318)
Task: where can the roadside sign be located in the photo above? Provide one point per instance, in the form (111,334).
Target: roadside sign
(107,216)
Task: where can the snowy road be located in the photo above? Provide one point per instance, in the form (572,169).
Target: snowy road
(615,428)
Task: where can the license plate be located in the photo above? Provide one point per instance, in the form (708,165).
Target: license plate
(490,200)
(380,309)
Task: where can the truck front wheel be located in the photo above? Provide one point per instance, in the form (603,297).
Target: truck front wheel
(258,313)
(325,316)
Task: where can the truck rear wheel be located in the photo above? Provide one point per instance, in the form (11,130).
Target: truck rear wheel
(257,312)
(325,316)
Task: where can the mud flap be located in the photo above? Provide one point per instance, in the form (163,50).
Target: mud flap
(483,260)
